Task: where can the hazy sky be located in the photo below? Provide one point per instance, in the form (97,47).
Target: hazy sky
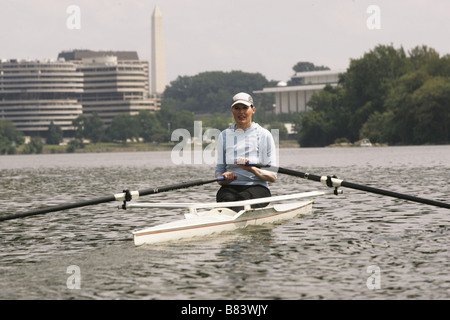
(266,36)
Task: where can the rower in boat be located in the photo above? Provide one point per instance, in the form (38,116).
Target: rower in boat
(242,142)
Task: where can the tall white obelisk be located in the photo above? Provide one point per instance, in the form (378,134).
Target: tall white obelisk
(158,71)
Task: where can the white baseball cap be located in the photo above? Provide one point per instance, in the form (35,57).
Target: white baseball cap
(243,98)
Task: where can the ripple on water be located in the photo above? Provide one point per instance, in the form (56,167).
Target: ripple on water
(324,255)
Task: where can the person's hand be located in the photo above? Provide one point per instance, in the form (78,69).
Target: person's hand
(262,174)
(241,162)
(229,177)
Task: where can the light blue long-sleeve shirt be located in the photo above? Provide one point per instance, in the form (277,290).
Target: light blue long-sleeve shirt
(255,143)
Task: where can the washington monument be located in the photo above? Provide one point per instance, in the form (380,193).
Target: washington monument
(158,71)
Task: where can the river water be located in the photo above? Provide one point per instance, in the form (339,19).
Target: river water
(354,246)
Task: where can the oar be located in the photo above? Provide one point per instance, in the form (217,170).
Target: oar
(124,196)
(332,181)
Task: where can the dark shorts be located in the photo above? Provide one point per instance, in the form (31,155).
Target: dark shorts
(237,193)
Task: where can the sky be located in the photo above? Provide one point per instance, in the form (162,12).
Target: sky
(264,36)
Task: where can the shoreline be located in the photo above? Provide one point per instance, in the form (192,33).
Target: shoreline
(129,147)
(149,147)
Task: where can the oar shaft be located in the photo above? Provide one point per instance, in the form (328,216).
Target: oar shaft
(57,208)
(116,197)
(178,186)
(333,182)
(302,175)
(395,194)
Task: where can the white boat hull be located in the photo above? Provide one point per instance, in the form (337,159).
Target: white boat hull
(219,220)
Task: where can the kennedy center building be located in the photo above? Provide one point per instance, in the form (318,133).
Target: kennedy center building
(294,98)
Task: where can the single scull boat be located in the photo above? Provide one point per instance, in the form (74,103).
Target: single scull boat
(220,218)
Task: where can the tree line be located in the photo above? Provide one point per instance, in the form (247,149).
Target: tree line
(146,126)
(388,96)
(150,127)
(211,92)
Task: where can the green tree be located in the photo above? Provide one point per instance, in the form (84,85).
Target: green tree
(34,146)
(367,82)
(9,137)
(378,127)
(172,120)
(282,131)
(431,103)
(218,121)
(54,134)
(327,121)
(89,127)
(417,110)
(212,92)
(124,127)
(314,130)
(150,127)
(303,66)
(80,124)
(386,96)
(399,119)
(425,59)
(94,128)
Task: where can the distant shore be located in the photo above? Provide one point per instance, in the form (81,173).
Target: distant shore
(148,147)
(129,147)
(132,147)
(110,147)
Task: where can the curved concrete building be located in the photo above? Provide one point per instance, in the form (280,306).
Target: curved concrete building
(34,93)
(112,87)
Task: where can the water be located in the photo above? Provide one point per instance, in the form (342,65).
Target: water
(336,253)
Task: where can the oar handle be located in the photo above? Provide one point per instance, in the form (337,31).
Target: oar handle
(289,172)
